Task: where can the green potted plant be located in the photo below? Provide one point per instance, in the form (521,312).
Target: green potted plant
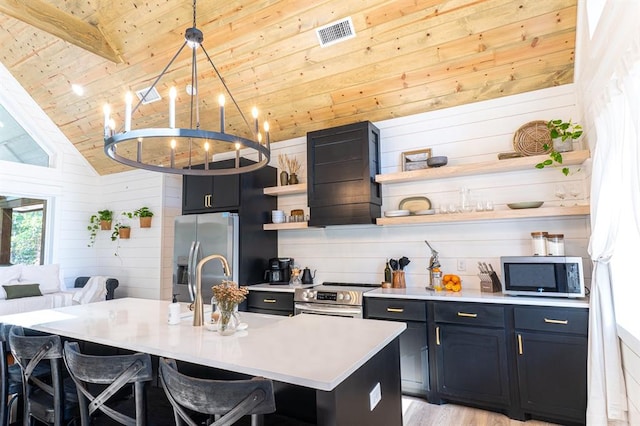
(562,133)
(102,220)
(145,216)
(122,229)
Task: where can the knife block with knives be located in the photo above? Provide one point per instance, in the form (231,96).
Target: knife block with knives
(489,281)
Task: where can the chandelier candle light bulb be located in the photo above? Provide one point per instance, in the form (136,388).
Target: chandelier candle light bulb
(221,101)
(173,153)
(206,155)
(106,109)
(266,131)
(128,100)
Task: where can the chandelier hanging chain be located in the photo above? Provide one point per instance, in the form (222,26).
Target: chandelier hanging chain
(193,38)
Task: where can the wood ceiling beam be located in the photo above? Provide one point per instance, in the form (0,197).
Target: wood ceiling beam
(67,27)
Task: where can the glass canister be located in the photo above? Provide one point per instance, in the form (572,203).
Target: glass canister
(539,243)
(555,244)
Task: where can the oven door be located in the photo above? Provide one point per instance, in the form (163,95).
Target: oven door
(330,310)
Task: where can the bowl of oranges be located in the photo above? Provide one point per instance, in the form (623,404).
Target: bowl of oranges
(452,282)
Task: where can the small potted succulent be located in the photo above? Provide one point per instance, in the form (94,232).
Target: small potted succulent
(145,216)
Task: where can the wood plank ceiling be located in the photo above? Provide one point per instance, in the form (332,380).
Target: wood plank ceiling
(408,57)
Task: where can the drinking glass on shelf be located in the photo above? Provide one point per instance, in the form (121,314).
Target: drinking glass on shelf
(574,192)
(561,193)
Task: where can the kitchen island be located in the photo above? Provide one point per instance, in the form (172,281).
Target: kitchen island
(351,365)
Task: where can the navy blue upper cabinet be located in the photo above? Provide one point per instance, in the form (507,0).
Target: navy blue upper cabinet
(342,163)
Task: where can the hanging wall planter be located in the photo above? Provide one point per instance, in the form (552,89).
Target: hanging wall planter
(145,216)
(100,221)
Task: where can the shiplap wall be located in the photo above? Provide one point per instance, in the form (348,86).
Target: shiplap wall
(70,185)
(467,134)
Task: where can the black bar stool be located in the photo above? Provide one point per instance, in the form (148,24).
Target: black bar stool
(224,400)
(49,399)
(114,373)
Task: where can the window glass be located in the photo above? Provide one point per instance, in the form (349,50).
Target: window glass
(17,145)
(22,230)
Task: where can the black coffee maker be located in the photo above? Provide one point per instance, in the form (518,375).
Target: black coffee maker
(279,271)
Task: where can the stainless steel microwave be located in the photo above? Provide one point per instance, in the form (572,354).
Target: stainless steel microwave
(554,276)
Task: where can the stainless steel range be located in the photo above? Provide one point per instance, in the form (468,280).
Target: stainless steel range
(333,299)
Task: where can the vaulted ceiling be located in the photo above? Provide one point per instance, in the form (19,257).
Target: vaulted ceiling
(408,57)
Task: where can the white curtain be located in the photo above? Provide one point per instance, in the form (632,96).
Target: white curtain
(615,189)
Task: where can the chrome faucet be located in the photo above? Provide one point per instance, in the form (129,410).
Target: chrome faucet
(198,306)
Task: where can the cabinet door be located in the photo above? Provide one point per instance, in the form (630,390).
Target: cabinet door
(201,194)
(472,364)
(414,364)
(195,190)
(552,374)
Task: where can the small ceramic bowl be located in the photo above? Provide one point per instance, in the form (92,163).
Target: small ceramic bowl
(437,161)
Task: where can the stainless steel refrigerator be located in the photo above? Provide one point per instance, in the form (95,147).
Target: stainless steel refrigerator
(198,236)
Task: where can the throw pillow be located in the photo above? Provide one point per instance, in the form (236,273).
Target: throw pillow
(9,275)
(22,290)
(48,276)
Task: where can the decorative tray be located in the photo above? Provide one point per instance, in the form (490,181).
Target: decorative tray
(530,138)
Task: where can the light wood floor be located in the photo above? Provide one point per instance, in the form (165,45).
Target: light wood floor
(418,412)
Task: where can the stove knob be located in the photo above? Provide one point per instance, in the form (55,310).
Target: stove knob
(347,296)
(305,294)
(340,296)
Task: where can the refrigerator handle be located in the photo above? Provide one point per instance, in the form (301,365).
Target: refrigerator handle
(191,277)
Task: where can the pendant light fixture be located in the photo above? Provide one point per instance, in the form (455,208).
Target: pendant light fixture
(174,149)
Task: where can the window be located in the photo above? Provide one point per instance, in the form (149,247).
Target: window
(17,145)
(22,230)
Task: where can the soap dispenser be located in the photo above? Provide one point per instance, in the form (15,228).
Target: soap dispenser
(174,311)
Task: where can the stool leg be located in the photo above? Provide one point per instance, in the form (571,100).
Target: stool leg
(257,420)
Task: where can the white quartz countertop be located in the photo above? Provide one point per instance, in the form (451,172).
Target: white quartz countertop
(307,350)
(422,293)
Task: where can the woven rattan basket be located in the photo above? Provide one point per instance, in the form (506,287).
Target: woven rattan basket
(530,138)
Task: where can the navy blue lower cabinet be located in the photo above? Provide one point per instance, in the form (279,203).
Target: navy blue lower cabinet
(414,365)
(471,353)
(552,362)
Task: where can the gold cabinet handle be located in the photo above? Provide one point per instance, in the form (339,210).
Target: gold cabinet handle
(395,310)
(269,300)
(466,315)
(438,336)
(554,321)
(520,344)
(207,200)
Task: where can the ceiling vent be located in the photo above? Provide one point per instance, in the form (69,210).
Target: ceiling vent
(336,32)
(152,96)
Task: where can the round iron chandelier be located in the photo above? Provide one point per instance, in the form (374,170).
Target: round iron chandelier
(190,145)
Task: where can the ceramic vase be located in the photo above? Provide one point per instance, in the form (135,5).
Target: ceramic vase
(284,178)
(293,179)
(562,146)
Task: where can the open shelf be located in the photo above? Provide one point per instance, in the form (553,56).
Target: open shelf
(281,226)
(571,158)
(300,188)
(486,216)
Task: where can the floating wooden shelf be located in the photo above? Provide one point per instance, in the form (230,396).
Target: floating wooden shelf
(486,216)
(571,158)
(281,226)
(300,188)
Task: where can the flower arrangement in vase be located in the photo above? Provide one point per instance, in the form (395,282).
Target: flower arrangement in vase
(227,297)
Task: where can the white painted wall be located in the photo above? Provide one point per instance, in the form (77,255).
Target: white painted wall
(70,184)
(466,134)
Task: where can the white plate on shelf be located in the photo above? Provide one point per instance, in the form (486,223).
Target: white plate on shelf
(425,212)
(397,213)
